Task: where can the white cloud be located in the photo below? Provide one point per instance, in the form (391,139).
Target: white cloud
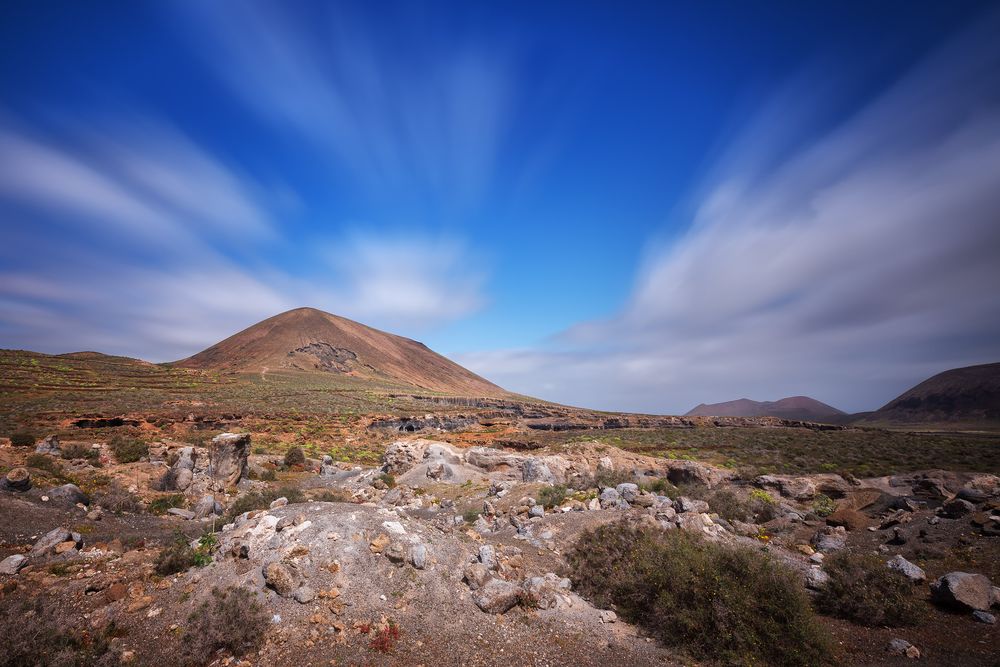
(848,270)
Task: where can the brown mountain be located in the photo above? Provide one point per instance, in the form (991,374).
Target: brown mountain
(310,340)
(968,395)
(793,407)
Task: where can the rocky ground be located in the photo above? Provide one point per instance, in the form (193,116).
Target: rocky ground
(447,554)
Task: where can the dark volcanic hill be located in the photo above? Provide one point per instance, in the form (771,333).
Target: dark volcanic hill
(793,407)
(310,340)
(967,395)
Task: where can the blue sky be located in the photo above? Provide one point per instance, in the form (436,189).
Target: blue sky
(636,207)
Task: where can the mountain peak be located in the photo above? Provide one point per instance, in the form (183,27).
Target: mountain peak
(791,407)
(308,340)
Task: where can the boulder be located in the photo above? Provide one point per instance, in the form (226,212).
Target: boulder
(439,470)
(182,479)
(907,569)
(816,578)
(954,509)
(68,494)
(48,445)
(684,504)
(47,544)
(849,519)
(537,511)
(280,578)
(17,479)
(304,595)
(984,617)
(628,491)
(418,556)
(962,590)
(228,457)
(610,498)
(497,596)
(476,575)
(327,468)
(543,592)
(182,513)
(488,557)
(829,540)
(402,455)
(534,470)
(206,507)
(901,647)
(13,564)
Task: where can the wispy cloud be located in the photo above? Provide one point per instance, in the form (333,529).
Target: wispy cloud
(849,268)
(121,241)
(416,110)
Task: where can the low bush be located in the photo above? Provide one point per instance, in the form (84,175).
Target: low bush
(42,462)
(334,496)
(163,503)
(128,449)
(295,457)
(729,505)
(22,439)
(605,478)
(862,589)
(78,450)
(48,640)
(259,500)
(180,555)
(268,475)
(388,480)
(232,620)
(167,481)
(724,603)
(552,496)
(118,500)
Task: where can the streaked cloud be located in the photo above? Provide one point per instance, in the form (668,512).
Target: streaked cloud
(847,269)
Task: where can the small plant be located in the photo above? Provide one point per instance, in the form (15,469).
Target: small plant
(824,505)
(127,449)
(552,496)
(388,480)
(203,552)
(268,475)
(385,637)
(862,589)
(729,505)
(295,457)
(334,496)
(163,503)
(470,515)
(763,506)
(22,439)
(231,620)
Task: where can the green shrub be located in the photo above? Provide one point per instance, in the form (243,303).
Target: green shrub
(388,479)
(470,515)
(295,457)
(127,449)
(824,505)
(862,589)
(22,439)
(612,478)
(763,506)
(163,503)
(268,475)
(719,602)
(231,620)
(552,496)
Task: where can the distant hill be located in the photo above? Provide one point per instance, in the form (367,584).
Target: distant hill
(963,395)
(793,407)
(312,341)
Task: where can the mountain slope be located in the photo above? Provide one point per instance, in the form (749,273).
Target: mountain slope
(793,407)
(310,340)
(969,395)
